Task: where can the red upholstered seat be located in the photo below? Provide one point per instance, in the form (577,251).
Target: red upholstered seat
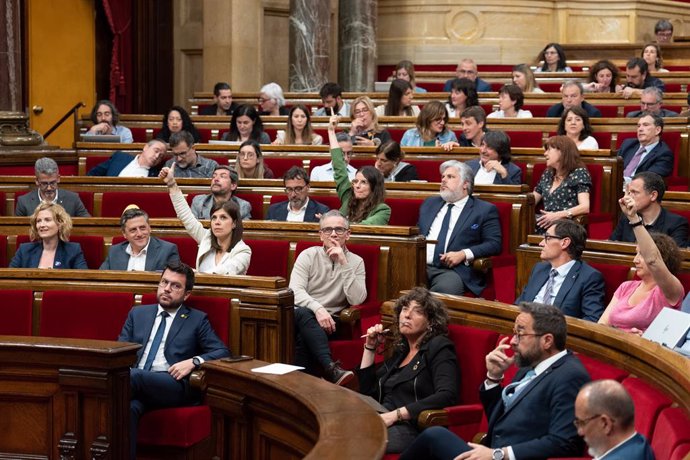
(142,134)
(279,166)
(428,170)
(91,245)
(332,201)
(538,110)
(614,276)
(178,426)
(649,402)
(4,262)
(314,162)
(84,315)
(671,431)
(608,111)
(404,211)
(16,311)
(156,204)
(681,451)
(257,202)
(269,258)
(525,139)
(603,139)
(396,134)
(599,370)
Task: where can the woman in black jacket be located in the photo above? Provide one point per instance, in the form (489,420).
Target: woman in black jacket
(423,372)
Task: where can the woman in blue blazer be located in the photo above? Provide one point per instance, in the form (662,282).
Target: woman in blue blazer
(49,246)
(493,165)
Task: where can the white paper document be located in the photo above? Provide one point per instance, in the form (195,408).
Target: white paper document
(277,369)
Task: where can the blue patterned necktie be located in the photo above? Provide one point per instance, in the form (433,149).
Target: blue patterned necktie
(511,390)
(157,339)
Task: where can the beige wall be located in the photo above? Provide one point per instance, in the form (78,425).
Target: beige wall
(246,42)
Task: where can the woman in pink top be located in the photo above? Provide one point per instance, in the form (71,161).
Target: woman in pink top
(636,303)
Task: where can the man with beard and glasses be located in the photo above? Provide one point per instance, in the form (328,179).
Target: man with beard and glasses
(605,418)
(223,185)
(298,207)
(460,228)
(175,340)
(532,417)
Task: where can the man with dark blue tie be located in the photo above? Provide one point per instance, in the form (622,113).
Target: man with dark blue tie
(533,416)
(175,340)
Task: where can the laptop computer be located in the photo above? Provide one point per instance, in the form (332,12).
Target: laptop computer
(102,138)
(382,86)
(669,328)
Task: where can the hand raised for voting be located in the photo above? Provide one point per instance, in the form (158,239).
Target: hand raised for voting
(168,175)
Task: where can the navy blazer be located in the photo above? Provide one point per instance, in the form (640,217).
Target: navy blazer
(480,85)
(115,164)
(581,295)
(477,229)
(278,211)
(539,423)
(67,255)
(27,203)
(190,334)
(659,160)
(636,447)
(158,255)
(514,172)
(557,110)
(667,223)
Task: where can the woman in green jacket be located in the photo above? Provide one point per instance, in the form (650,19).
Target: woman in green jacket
(362,199)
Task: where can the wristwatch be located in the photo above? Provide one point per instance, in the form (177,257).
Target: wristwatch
(497,454)
(197,362)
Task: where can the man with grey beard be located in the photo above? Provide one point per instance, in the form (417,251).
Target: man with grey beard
(459,228)
(532,417)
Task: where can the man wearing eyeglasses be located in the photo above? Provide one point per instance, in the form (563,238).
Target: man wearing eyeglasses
(224,182)
(651,101)
(468,69)
(47,181)
(605,418)
(532,417)
(298,207)
(324,173)
(325,279)
(188,163)
(175,340)
(562,278)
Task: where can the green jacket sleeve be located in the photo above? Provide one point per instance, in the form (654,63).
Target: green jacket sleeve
(380,215)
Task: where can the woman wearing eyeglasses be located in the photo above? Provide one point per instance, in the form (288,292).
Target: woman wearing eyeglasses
(49,246)
(553,57)
(362,199)
(250,162)
(432,128)
(272,101)
(565,185)
(221,249)
(422,373)
(365,129)
(636,303)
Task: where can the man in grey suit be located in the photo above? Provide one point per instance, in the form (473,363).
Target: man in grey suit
(47,181)
(223,186)
(140,251)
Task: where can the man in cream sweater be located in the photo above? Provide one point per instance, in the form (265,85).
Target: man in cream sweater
(325,279)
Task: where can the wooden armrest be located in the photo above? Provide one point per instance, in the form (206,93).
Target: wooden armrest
(350,316)
(482,264)
(197,380)
(478,438)
(435,417)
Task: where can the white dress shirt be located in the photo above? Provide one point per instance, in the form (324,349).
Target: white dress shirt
(435,229)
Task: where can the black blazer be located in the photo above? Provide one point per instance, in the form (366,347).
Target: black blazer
(430,381)
(514,172)
(278,211)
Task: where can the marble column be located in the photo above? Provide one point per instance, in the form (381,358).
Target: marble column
(309,44)
(357,59)
(10,57)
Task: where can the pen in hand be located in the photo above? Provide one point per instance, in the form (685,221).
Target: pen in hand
(385,331)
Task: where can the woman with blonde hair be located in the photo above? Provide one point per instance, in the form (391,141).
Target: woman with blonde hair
(365,129)
(49,246)
(523,76)
(432,128)
(250,162)
(299,130)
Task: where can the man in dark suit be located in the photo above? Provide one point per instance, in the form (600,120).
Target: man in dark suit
(175,340)
(468,69)
(562,279)
(648,152)
(298,207)
(466,228)
(222,101)
(47,181)
(140,251)
(651,100)
(121,164)
(572,93)
(605,418)
(647,190)
(533,416)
